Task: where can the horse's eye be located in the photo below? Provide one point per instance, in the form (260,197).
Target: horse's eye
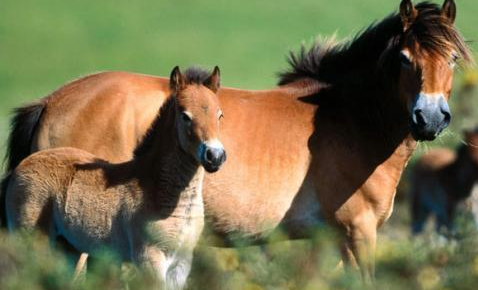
(221,115)
(405,59)
(454,58)
(185,117)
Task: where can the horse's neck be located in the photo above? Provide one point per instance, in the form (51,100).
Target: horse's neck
(177,174)
(174,177)
(368,124)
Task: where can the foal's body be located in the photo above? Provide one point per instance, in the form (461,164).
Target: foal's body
(148,210)
(79,195)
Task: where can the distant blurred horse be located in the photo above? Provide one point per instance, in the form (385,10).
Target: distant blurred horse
(441,180)
(148,210)
(327,145)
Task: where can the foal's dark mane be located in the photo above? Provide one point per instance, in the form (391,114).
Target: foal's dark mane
(192,75)
(351,61)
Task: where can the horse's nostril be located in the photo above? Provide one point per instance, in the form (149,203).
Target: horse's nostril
(419,118)
(446,116)
(209,155)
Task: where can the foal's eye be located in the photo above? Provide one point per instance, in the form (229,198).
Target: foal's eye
(221,115)
(185,117)
(405,59)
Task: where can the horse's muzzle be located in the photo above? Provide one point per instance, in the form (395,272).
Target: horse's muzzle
(430,115)
(213,156)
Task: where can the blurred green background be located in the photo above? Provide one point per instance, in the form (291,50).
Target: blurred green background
(44,44)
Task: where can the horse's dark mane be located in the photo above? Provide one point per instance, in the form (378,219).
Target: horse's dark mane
(331,62)
(192,75)
(196,75)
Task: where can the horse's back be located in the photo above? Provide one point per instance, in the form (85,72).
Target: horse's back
(51,170)
(435,159)
(36,182)
(106,113)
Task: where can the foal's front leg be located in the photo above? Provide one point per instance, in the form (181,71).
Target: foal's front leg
(154,261)
(178,271)
(172,271)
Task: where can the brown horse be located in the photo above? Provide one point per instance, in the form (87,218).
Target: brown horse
(148,210)
(329,144)
(440,180)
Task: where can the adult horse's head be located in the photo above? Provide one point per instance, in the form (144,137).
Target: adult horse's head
(429,48)
(198,115)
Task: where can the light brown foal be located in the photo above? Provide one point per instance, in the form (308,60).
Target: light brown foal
(148,210)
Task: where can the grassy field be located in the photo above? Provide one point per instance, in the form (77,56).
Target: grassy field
(44,44)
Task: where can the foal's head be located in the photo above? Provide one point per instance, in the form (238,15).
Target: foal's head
(429,49)
(198,115)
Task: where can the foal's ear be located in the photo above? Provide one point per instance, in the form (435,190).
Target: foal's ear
(448,10)
(408,13)
(213,82)
(176,80)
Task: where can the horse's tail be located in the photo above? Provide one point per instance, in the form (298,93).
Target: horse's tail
(3,206)
(22,128)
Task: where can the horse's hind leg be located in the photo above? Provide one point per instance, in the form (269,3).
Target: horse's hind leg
(80,268)
(28,207)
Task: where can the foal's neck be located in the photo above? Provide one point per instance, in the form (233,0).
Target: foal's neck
(172,172)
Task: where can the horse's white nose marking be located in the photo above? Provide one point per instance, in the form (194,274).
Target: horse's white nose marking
(432,95)
(214,143)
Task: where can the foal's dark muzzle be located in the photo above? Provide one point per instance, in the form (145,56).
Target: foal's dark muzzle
(430,115)
(212,157)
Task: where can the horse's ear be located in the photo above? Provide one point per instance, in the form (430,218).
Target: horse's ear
(408,13)
(176,80)
(448,10)
(471,135)
(213,82)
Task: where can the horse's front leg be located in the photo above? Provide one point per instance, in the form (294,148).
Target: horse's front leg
(171,271)
(178,272)
(153,260)
(358,248)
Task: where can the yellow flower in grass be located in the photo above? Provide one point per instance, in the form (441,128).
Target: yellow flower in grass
(252,286)
(316,284)
(470,78)
(385,251)
(228,260)
(475,266)
(428,278)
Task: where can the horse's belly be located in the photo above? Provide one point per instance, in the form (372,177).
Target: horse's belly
(304,215)
(248,206)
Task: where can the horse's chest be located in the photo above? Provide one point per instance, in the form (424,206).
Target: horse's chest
(181,228)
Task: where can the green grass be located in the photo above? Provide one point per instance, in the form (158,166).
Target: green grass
(44,44)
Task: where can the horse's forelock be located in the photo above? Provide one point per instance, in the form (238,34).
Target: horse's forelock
(437,34)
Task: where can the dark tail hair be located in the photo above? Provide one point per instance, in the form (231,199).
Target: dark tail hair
(22,128)
(3,192)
